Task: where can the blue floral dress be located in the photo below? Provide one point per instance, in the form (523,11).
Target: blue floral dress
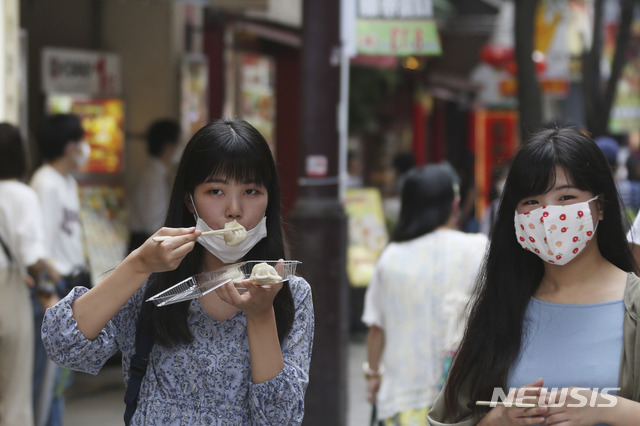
(206,382)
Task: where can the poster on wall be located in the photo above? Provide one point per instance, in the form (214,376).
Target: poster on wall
(103,121)
(194,103)
(256,93)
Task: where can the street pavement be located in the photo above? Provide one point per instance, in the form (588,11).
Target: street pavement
(98,400)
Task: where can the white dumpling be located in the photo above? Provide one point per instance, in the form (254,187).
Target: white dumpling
(234,237)
(264,273)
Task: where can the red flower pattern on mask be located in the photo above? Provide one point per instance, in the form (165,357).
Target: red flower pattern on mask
(538,232)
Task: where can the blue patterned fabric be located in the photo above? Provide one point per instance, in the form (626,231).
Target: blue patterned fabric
(206,382)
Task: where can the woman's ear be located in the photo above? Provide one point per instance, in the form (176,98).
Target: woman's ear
(188,203)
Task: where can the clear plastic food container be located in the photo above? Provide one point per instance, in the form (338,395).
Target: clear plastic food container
(200,284)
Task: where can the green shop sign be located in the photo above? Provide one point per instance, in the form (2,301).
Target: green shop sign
(398,37)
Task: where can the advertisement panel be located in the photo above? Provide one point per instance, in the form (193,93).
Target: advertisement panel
(103,121)
(76,71)
(257,97)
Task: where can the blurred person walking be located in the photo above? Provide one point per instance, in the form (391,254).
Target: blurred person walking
(414,302)
(629,190)
(60,140)
(23,253)
(498,178)
(150,196)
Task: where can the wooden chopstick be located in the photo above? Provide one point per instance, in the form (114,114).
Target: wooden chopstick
(214,232)
(506,404)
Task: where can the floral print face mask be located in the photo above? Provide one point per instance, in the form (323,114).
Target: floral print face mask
(556,233)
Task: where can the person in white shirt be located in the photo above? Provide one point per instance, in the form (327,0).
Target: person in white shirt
(22,253)
(150,196)
(61,143)
(414,302)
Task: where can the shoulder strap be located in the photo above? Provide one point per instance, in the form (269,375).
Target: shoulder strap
(6,250)
(138,366)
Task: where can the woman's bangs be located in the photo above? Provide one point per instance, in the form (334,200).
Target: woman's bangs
(241,165)
(533,177)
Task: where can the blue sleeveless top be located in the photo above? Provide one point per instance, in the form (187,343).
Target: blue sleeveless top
(570,345)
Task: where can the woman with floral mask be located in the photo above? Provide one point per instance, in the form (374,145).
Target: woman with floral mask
(228,357)
(553,326)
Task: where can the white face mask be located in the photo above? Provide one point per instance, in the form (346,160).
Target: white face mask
(217,246)
(557,234)
(82,158)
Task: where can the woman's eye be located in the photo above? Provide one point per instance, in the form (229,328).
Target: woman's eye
(567,197)
(251,191)
(215,191)
(529,202)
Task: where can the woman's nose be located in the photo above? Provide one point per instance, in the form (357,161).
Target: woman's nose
(234,208)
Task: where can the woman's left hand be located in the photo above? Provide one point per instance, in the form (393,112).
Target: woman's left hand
(255,301)
(576,406)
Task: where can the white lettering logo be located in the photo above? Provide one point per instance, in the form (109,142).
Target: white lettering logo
(519,397)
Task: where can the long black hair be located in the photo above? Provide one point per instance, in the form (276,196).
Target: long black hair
(13,158)
(427,200)
(510,275)
(236,150)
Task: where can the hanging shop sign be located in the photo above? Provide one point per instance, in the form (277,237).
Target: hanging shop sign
(394,9)
(396,28)
(397,37)
(85,72)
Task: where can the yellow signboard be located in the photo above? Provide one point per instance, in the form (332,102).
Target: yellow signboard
(367,233)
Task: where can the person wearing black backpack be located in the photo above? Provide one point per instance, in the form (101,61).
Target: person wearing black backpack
(228,357)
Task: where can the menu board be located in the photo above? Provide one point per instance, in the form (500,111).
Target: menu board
(104,221)
(103,122)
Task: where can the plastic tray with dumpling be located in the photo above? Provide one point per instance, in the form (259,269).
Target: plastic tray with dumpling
(259,272)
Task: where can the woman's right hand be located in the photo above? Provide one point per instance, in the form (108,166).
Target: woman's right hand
(166,255)
(507,416)
(373,386)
